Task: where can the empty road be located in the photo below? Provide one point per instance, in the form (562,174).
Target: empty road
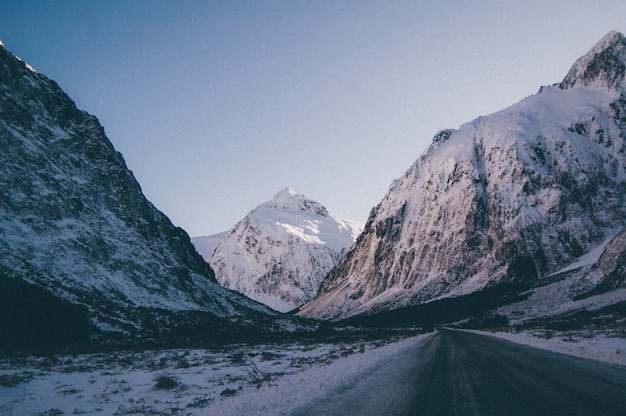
(459,373)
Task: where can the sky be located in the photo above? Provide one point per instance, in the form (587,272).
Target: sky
(218,105)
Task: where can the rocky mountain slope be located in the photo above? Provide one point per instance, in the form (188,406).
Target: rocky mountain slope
(590,291)
(280,252)
(511,197)
(76,229)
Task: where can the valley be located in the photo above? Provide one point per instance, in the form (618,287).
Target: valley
(510,227)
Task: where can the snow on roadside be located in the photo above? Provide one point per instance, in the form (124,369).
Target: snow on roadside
(261,379)
(297,390)
(597,347)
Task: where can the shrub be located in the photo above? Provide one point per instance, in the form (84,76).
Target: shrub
(164,382)
(238,357)
(228,392)
(11,380)
(269,356)
(181,363)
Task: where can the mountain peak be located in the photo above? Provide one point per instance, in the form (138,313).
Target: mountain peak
(280,252)
(75,224)
(285,193)
(603,66)
(10,58)
(510,197)
(288,199)
(613,38)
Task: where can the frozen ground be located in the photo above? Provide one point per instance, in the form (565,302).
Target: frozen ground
(243,379)
(609,348)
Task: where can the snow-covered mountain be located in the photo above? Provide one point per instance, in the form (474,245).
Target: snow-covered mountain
(513,196)
(206,245)
(74,222)
(280,252)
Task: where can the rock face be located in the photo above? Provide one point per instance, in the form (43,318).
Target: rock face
(604,66)
(612,265)
(607,274)
(509,197)
(281,251)
(74,222)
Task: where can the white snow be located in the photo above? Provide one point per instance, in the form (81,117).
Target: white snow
(556,299)
(577,75)
(280,252)
(258,380)
(592,256)
(311,227)
(585,344)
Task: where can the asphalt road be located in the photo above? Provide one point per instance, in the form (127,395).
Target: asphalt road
(459,373)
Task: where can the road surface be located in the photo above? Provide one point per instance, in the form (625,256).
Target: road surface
(459,373)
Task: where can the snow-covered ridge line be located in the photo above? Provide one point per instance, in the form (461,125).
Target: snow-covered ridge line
(280,251)
(75,223)
(513,196)
(604,66)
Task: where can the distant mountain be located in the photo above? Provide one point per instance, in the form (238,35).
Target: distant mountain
(511,197)
(206,245)
(280,252)
(78,235)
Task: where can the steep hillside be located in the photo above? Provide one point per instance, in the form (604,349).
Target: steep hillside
(280,252)
(510,197)
(74,222)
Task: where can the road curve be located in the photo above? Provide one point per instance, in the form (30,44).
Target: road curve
(460,373)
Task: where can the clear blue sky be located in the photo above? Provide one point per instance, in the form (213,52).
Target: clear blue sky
(218,105)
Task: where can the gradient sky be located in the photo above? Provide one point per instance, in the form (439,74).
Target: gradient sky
(218,105)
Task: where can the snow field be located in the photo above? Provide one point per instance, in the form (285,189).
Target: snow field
(584,344)
(263,379)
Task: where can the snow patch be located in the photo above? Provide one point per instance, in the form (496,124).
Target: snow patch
(592,256)
(594,346)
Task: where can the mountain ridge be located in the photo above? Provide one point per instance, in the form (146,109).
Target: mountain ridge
(74,221)
(281,250)
(604,65)
(508,197)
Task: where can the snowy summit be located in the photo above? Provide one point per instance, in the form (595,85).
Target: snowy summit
(280,252)
(603,66)
(80,245)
